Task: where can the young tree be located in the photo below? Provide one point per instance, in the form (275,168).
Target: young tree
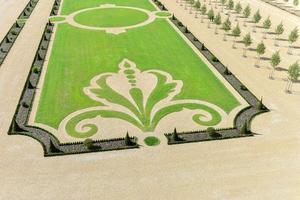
(293,75)
(275,60)
(260,50)
(267,25)
(186,2)
(197,8)
(238,9)
(246,13)
(256,19)
(296,2)
(203,12)
(217,21)
(192,2)
(278,31)
(223,2)
(236,32)
(181,2)
(230,6)
(247,40)
(226,27)
(293,37)
(211,16)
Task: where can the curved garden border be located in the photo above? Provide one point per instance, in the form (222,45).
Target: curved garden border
(53,147)
(15,30)
(70,19)
(242,121)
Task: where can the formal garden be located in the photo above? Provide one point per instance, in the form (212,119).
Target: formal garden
(110,72)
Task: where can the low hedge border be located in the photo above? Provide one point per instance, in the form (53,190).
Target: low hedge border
(15,30)
(243,118)
(55,8)
(25,14)
(50,144)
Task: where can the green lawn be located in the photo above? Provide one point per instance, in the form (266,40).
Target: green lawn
(70,6)
(163,14)
(78,55)
(111,17)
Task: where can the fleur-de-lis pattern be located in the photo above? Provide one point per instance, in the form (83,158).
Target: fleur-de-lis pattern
(141,98)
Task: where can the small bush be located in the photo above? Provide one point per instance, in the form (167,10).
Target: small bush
(203,48)
(245,129)
(25,105)
(212,132)
(243,88)
(195,39)
(89,143)
(35,70)
(179,23)
(226,71)
(215,59)
(14,32)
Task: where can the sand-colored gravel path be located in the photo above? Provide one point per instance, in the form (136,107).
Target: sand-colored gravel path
(9,12)
(258,168)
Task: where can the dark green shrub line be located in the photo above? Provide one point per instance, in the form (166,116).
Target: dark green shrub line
(25,14)
(55,8)
(15,30)
(50,144)
(242,120)
(9,40)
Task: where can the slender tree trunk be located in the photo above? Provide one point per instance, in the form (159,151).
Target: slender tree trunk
(265,35)
(245,52)
(191,9)
(254,28)
(257,61)
(290,50)
(245,22)
(224,37)
(271,73)
(287,86)
(208,24)
(233,44)
(185,5)
(216,29)
(196,14)
(202,18)
(276,41)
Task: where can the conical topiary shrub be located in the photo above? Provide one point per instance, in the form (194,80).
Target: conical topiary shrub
(260,105)
(175,136)
(186,30)
(128,141)
(245,129)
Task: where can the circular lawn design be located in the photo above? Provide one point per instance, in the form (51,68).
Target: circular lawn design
(152,141)
(111,17)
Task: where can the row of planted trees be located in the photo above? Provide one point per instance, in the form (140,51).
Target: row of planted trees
(226,26)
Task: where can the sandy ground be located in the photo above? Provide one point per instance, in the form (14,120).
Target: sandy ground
(263,167)
(9,12)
